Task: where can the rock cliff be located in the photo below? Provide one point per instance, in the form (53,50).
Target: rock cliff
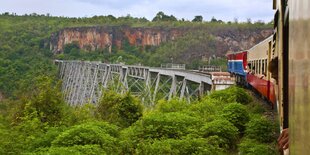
(106,37)
(92,38)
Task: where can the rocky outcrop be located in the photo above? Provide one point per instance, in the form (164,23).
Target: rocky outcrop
(92,38)
(240,39)
(106,37)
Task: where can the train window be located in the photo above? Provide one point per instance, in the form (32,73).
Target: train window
(259,67)
(263,66)
(256,66)
(252,69)
(266,68)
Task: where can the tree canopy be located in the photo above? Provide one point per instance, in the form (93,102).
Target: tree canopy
(197,19)
(161,16)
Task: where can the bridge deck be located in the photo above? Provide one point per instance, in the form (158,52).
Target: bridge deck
(83,81)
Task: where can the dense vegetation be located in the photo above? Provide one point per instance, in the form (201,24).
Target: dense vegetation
(35,119)
(44,124)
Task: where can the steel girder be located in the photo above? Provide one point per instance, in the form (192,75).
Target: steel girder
(84,82)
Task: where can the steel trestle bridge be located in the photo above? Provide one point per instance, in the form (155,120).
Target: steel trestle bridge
(85,82)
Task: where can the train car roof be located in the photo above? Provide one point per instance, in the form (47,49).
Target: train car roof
(260,51)
(262,42)
(229,53)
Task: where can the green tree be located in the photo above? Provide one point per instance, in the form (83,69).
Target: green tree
(213,19)
(197,19)
(237,114)
(260,129)
(122,110)
(161,16)
(225,130)
(46,103)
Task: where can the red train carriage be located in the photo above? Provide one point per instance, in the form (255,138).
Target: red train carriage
(258,75)
(251,68)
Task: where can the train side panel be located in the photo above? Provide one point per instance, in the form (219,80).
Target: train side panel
(263,86)
(259,77)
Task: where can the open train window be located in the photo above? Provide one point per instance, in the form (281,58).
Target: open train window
(259,67)
(263,66)
(256,66)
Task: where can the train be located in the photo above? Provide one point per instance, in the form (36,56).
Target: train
(250,68)
(279,69)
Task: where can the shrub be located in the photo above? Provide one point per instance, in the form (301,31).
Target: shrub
(237,114)
(205,109)
(46,139)
(232,94)
(158,126)
(129,109)
(46,103)
(168,125)
(102,134)
(83,113)
(256,108)
(174,105)
(260,129)
(252,147)
(77,149)
(179,146)
(130,137)
(122,110)
(227,133)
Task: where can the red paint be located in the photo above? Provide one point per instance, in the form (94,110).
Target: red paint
(264,87)
(239,56)
(242,56)
(230,56)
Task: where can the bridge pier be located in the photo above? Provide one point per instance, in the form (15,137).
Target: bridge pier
(84,81)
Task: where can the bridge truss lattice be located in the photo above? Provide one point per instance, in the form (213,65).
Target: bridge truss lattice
(85,82)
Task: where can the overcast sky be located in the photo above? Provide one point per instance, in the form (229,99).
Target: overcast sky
(225,10)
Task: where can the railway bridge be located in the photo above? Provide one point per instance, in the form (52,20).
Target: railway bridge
(86,82)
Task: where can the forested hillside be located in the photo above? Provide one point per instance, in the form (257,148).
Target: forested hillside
(25,45)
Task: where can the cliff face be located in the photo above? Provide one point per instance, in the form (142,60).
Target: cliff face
(240,39)
(92,38)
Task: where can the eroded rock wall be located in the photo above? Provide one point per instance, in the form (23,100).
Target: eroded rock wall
(106,37)
(92,38)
